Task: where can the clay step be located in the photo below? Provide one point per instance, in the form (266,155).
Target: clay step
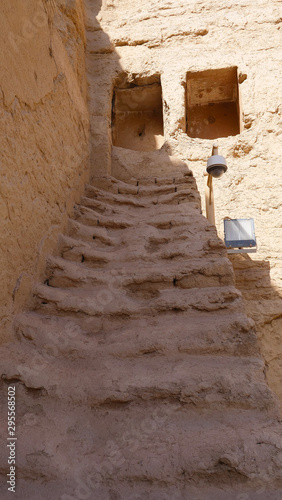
(165,221)
(138,213)
(185,275)
(175,176)
(89,233)
(141,212)
(196,381)
(107,300)
(148,244)
(156,186)
(136,436)
(92,218)
(162,220)
(159,181)
(174,197)
(144,190)
(102,195)
(102,207)
(147,235)
(130,437)
(87,216)
(80,251)
(186,177)
(231,334)
(125,439)
(64,273)
(194,273)
(178,197)
(127,189)
(155,190)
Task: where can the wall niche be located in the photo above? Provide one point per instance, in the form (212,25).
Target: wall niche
(212,103)
(137,116)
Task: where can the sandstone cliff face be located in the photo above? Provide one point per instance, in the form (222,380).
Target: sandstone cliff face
(168,40)
(44,136)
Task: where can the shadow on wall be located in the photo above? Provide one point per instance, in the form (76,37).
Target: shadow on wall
(137,117)
(102,66)
(126,108)
(44,139)
(264,305)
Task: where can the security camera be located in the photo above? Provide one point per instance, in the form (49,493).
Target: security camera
(216,165)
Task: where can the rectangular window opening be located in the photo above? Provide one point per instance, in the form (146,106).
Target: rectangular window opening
(137,117)
(212,106)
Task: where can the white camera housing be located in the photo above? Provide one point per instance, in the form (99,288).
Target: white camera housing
(216,166)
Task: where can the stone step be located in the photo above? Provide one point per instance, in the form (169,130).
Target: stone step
(194,273)
(150,186)
(89,217)
(126,443)
(155,190)
(142,190)
(179,197)
(138,213)
(137,439)
(164,219)
(112,184)
(126,446)
(180,224)
(104,237)
(112,197)
(174,197)
(98,234)
(196,381)
(102,207)
(110,301)
(136,246)
(231,334)
(63,273)
(78,251)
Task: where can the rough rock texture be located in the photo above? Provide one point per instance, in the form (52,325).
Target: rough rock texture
(137,372)
(263,303)
(44,137)
(132,43)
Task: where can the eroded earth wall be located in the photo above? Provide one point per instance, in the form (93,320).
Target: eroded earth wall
(166,40)
(44,136)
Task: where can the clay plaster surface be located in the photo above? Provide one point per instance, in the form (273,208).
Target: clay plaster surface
(44,136)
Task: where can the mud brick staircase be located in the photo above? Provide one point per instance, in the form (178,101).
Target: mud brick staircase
(137,371)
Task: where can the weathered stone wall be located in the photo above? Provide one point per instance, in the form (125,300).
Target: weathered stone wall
(130,43)
(44,136)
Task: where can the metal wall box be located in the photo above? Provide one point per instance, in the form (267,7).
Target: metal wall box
(239,235)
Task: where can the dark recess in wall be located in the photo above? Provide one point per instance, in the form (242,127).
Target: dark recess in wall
(212,103)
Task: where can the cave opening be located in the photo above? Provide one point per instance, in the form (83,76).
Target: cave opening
(212,103)
(137,117)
